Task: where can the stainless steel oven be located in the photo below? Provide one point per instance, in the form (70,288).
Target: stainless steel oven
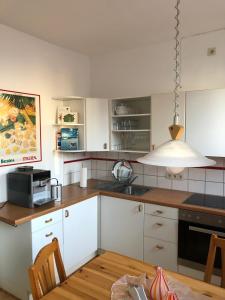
(194,232)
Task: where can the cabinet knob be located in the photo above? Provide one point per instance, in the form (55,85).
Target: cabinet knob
(140,207)
(49,234)
(105,146)
(153,147)
(67,213)
(159,247)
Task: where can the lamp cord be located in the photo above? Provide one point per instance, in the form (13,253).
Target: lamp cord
(177,64)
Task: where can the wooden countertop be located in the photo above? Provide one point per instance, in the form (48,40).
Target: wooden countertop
(16,215)
(95,279)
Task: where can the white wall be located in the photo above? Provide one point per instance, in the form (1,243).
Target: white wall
(149,70)
(31,65)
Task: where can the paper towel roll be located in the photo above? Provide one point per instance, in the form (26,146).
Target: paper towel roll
(83,177)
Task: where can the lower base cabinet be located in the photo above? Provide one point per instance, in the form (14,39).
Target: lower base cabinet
(122,226)
(80,230)
(160,236)
(76,229)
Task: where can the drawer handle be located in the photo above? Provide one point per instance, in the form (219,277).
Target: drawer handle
(66,213)
(49,220)
(158,212)
(159,247)
(159,224)
(49,234)
(140,208)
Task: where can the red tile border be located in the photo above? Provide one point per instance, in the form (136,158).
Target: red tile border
(130,161)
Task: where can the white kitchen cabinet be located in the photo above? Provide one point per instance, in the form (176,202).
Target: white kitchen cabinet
(160,236)
(80,226)
(43,237)
(162,116)
(122,226)
(97,124)
(205,121)
(20,247)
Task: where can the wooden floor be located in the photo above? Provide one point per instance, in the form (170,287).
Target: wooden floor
(6,296)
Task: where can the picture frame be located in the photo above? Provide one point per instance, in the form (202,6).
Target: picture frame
(20,128)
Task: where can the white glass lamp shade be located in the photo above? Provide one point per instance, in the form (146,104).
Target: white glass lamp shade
(175,155)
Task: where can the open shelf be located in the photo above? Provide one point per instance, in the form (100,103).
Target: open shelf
(70,151)
(131,115)
(131,151)
(68,125)
(131,130)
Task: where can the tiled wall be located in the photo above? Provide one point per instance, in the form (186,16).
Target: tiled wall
(194,179)
(71,170)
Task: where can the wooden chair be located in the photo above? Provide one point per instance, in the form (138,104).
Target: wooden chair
(214,243)
(42,272)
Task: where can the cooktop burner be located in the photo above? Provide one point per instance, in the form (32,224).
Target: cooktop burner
(206,200)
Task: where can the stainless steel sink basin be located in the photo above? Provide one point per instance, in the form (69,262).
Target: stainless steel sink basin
(133,190)
(123,189)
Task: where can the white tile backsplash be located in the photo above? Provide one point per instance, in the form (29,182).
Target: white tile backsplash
(150,170)
(196,186)
(102,165)
(181,185)
(197,174)
(196,180)
(164,183)
(214,175)
(214,188)
(138,168)
(150,180)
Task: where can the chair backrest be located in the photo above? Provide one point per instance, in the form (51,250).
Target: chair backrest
(215,243)
(42,272)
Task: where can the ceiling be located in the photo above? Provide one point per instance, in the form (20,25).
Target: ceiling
(102,26)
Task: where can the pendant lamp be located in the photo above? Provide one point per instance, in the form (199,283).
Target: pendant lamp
(175,154)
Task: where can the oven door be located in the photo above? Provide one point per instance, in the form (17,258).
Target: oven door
(193,242)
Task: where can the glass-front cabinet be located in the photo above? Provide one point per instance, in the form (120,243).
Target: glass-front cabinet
(130,125)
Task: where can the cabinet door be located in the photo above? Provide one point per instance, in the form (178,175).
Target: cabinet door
(162,116)
(80,233)
(97,124)
(205,121)
(122,226)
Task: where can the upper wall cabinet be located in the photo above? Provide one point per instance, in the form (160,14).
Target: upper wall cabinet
(162,116)
(97,124)
(82,124)
(205,121)
(130,122)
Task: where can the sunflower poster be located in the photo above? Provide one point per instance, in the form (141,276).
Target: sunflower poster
(20,128)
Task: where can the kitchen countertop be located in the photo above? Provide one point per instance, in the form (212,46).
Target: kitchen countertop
(71,194)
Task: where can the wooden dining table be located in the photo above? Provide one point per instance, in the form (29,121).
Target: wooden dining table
(94,280)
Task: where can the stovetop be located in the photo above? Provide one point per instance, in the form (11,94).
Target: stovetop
(206,200)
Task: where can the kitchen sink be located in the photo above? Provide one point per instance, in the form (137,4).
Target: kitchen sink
(122,188)
(133,190)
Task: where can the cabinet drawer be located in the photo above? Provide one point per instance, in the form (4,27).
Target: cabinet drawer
(161,211)
(160,253)
(161,228)
(46,220)
(45,236)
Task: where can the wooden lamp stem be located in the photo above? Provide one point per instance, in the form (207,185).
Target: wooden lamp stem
(176,131)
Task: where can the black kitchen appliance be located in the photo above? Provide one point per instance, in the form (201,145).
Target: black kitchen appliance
(194,233)
(212,201)
(29,187)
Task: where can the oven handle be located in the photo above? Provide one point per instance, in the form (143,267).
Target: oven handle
(208,231)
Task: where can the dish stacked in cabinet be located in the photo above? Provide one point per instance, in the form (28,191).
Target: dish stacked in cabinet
(160,236)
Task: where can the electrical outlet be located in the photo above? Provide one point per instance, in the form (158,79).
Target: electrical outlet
(211,51)
(174,176)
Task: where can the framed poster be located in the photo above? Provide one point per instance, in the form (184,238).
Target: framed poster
(20,128)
